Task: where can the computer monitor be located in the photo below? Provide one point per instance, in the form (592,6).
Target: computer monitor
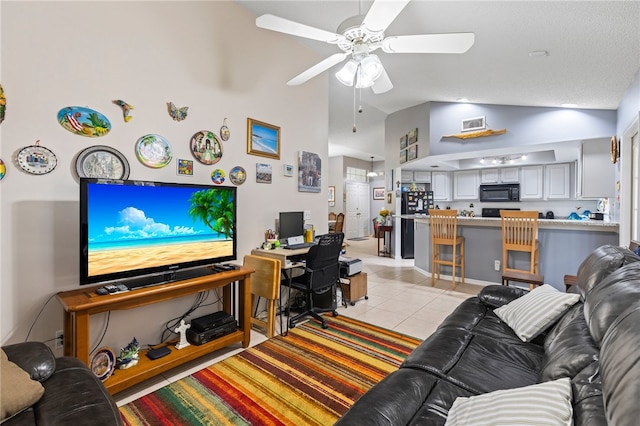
(291,224)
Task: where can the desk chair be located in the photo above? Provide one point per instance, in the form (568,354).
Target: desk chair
(265,282)
(443,225)
(520,233)
(321,274)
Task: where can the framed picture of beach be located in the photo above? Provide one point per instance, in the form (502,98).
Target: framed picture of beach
(263,139)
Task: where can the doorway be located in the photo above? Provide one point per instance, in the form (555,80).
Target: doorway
(357,210)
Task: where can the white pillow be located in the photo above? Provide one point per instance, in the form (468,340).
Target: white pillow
(546,404)
(531,314)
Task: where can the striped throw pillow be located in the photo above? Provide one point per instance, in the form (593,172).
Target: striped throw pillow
(546,404)
(531,314)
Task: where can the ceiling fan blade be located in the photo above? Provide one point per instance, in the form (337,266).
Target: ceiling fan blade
(321,66)
(429,43)
(275,23)
(383,83)
(382,14)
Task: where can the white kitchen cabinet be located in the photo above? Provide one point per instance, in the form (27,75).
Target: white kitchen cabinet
(465,185)
(557,181)
(441,186)
(531,179)
(406,176)
(489,175)
(422,177)
(596,178)
(510,175)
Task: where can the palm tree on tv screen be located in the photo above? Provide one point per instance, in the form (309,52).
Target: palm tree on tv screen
(215,209)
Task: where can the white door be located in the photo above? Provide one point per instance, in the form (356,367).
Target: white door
(356,220)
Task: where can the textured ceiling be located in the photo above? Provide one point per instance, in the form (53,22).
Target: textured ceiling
(594,53)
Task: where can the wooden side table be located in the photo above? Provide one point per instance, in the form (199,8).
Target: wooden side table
(381,232)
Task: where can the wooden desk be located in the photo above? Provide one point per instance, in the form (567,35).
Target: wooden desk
(80,304)
(283,255)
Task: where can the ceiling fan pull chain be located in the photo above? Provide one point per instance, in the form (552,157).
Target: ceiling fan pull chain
(354,108)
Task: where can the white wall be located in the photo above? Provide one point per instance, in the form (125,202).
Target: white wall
(206,55)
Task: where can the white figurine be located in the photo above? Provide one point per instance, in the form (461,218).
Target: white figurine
(183,335)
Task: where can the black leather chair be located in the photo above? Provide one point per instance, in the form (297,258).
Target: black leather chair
(321,274)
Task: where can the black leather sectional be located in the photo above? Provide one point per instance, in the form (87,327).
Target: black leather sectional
(596,343)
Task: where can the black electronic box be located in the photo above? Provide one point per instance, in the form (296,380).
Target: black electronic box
(197,338)
(211,321)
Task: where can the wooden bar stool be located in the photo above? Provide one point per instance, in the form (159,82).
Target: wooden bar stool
(444,232)
(520,233)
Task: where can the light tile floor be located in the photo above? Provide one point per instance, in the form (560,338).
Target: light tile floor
(399,298)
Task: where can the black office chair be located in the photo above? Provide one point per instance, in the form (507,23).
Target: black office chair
(322,272)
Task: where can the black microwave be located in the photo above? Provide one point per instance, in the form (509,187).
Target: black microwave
(500,192)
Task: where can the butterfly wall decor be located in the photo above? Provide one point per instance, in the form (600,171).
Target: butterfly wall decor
(178,114)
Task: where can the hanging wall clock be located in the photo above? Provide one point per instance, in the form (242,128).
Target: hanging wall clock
(206,147)
(102,162)
(36,159)
(84,121)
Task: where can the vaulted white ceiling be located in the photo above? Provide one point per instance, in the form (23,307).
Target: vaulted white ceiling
(593,54)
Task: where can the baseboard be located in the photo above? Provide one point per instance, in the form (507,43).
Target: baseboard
(448,277)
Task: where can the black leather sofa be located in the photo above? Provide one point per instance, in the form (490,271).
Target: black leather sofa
(596,344)
(73,395)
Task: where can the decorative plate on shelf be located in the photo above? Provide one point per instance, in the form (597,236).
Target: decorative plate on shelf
(103,162)
(238,175)
(206,147)
(84,121)
(103,362)
(153,151)
(36,159)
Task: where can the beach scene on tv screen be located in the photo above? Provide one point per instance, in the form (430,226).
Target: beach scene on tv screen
(134,227)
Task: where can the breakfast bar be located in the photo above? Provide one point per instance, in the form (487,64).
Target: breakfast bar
(563,245)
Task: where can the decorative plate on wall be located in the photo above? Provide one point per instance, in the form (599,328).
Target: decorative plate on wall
(238,175)
(614,150)
(103,162)
(84,121)
(153,151)
(225,133)
(206,147)
(217,176)
(36,159)
(3,169)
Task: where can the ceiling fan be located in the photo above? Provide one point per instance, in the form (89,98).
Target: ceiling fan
(358,37)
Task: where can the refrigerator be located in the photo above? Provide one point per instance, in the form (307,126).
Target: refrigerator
(412,202)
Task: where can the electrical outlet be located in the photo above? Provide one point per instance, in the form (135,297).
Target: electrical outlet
(496,265)
(59,339)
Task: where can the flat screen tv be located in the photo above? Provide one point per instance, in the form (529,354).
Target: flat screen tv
(143,233)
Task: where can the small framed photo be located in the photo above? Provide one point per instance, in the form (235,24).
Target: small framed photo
(412,152)
(476,123)
(403,156)
(185,167)
(389,197)
(287,170)
(403,142)
(413,136)
(263,139)
(378,193)
(263,173)
(332,194)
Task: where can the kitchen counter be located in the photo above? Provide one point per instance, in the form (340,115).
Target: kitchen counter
(587,225)
(564,244)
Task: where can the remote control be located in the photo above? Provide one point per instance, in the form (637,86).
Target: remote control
(102,291)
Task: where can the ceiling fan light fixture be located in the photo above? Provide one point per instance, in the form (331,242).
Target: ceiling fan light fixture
(347,73)
(371,67)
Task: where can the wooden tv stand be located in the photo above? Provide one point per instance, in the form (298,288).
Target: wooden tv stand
(80,304)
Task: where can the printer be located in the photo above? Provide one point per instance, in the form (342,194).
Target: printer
(349,266)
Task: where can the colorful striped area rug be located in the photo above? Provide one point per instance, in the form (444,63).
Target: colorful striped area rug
(310,377)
